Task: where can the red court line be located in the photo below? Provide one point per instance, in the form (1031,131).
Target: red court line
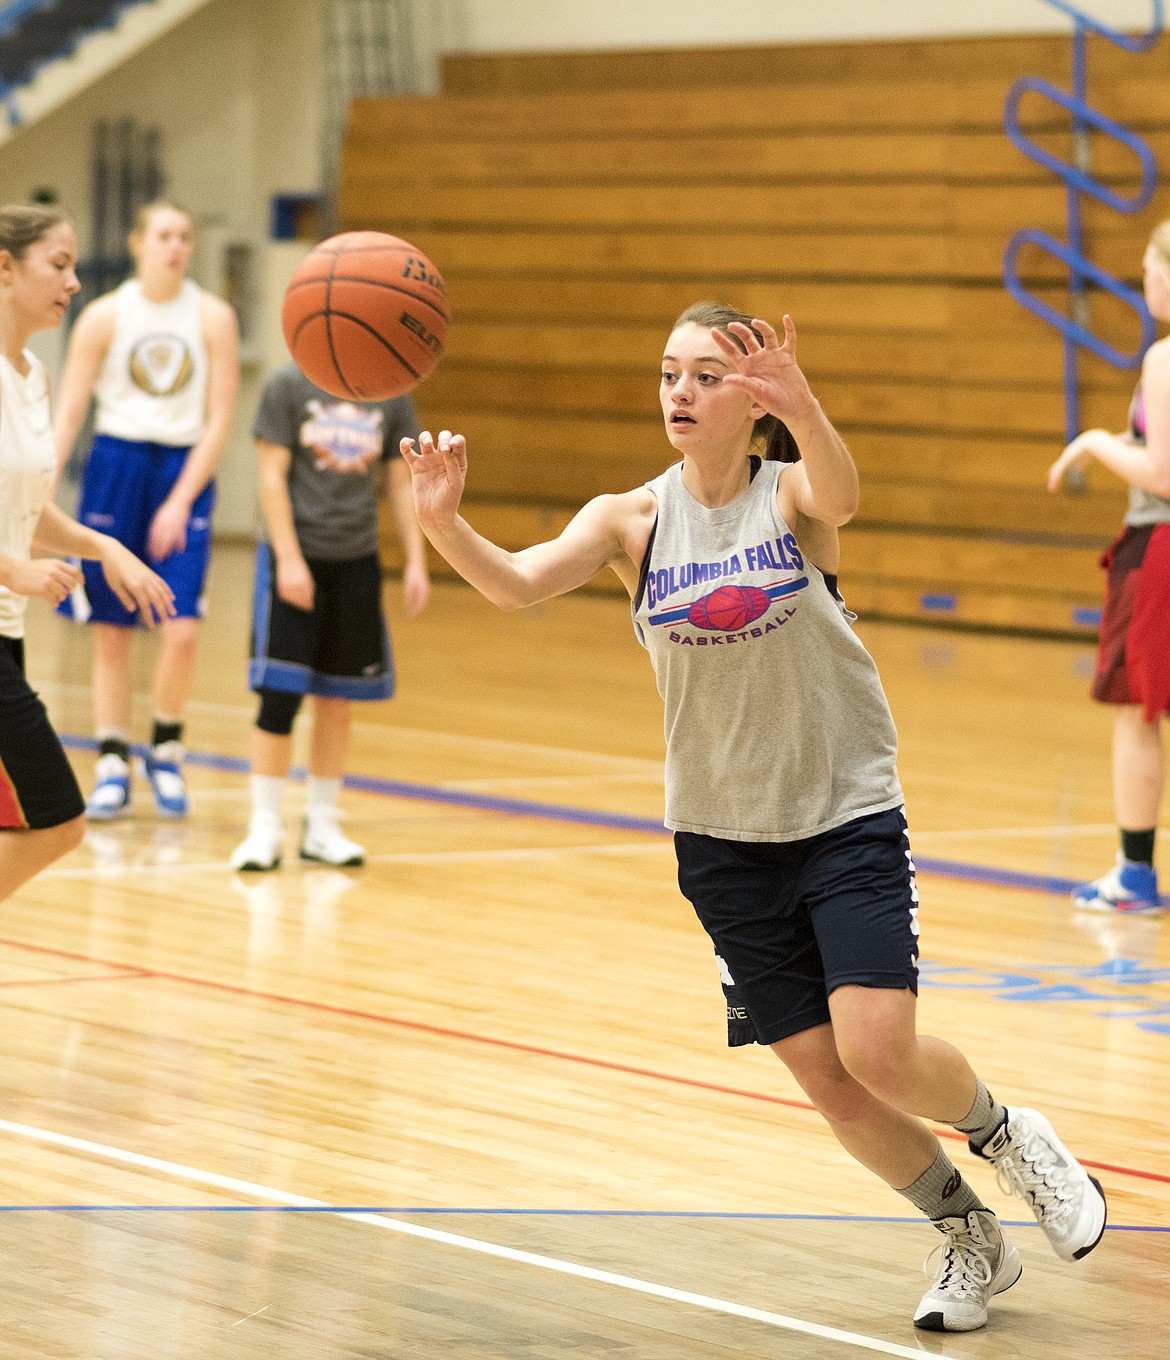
(512,1045)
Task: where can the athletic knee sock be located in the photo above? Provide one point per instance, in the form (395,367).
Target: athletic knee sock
(1138,846)
(267,793)
(940,1192)
(114,741)
(984,1118)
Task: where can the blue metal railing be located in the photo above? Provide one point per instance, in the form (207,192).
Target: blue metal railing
(1075,327)
(10,15)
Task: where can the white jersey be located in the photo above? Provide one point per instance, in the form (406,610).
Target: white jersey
(28,467)
(153,384)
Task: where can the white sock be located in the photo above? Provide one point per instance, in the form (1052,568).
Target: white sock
(321,795)
(267,792)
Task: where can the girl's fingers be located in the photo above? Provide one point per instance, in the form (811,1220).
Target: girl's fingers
(771,339)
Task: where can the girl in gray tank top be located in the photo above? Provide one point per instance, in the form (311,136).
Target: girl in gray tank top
(1133,653)
(781,784)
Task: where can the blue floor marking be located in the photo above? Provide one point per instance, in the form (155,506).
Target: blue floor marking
(916,1221)
(614,821)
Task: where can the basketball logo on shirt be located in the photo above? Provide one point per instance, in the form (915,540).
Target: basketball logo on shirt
(345,430)
(161,365)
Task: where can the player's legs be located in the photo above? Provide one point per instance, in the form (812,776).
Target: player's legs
(271,754)
(323,840)
(1131,885)
(185,571)
(352,662)
(174,669)
(23,854)
(113,700)
(41,810)
(1133,675)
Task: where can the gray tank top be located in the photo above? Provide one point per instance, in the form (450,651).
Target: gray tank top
(1144,507)
(776,724)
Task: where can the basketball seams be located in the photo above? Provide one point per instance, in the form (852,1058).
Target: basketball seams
(366,283)
(328,314)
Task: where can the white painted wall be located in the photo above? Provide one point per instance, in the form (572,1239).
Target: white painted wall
(236,91)
(551,25)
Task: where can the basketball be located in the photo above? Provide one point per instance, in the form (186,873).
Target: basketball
(728,608)
(365,316)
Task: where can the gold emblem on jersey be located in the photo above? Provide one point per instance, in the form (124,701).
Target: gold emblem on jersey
(161,365)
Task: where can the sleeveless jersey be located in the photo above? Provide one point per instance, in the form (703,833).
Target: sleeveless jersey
(1144,507)
(28,467)
(153,384)
(776,724)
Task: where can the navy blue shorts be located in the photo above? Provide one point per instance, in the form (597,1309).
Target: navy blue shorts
(38,788)
(124,484)
(793,920)
(339,649)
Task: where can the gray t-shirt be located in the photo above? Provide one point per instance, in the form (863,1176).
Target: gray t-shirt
(335,513)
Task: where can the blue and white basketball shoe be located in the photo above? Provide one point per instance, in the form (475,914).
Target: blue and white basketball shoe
(1129,888)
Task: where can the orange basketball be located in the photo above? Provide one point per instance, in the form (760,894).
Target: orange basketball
(365,316)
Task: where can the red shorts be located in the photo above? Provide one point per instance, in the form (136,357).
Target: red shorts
(1133,654)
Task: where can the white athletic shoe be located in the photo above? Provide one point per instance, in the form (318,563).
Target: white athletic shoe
(111,795)
(323,841)
(1031,1162)
(260,849)
(977,1262)
(1128,888)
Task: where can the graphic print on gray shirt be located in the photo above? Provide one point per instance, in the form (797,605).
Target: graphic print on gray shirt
(335,513)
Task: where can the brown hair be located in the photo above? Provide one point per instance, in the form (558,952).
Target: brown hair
(23,224)
(779,445)
(1160,240)
(146,212)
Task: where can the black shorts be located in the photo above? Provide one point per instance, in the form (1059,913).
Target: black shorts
(38,788)
(793,920)
(339,649)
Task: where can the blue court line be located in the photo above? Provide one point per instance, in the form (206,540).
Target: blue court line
(614,821)
(499,1213)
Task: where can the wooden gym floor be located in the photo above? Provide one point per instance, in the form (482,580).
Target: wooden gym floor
(501,1041)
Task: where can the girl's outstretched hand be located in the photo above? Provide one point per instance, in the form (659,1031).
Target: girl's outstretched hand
(438,474)
(767,372)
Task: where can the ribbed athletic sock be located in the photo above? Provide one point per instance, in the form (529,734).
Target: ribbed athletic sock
(1138,846)
(165,729)
(321,794)
(941,1192)
(267,793)
(114,741)
(984,1118)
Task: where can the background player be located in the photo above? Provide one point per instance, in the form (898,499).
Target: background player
(161,357)
(318,625)
(40,804)
(1133,656)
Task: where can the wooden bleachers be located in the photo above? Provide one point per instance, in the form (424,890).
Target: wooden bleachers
(576,203)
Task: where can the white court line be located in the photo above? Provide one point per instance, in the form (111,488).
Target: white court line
(418,857)
(475,1244)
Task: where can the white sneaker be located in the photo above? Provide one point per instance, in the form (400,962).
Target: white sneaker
(977,1262)
(323,841)
(260,849)
(111,795)
(1031,1162)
